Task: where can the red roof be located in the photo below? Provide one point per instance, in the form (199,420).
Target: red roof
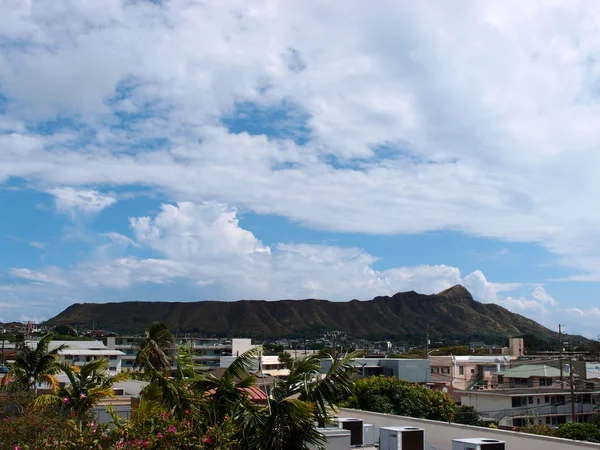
(256,394)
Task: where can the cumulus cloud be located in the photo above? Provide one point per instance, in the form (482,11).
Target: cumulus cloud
(388,134)
(84,201)
(399,118)
(540,294)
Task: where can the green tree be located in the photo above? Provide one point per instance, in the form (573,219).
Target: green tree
(285,358)
(579,431)
(390,395)
(155,348)
(467,415)
(88,385)
(35,365)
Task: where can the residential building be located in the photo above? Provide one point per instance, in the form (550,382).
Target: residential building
(78,353)
(413,370)
(206,352)
(528,376)
(545,406)
(265,364)
(458,373)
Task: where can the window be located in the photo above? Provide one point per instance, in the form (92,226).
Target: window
(518,402)
(112,357)
(435,370)
(446,370)
(112,369)
(461,370)
(547,399)
(472,370)
(68,357)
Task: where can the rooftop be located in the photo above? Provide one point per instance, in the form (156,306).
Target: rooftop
(531,370)
(531,391)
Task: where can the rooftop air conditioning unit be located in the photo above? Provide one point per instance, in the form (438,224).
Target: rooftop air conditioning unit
(335,439)
(355,426)
(368,434)
(401,438)
(478,444)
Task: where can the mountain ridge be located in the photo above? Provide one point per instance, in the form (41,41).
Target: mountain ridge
(452,313)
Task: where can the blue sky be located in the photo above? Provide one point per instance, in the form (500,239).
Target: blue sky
(188,151)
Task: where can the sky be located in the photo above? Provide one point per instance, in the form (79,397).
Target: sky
(187,150)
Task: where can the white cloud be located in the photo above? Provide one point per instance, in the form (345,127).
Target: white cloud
(73,201)
(479,119)
(119,239)
(456,128)
(50,275)
(540,294)
(203,245)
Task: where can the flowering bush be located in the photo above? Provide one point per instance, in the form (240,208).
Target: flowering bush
(37,429)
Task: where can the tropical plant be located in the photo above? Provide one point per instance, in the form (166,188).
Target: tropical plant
(579,431)
(390,395)
(88,385)
(467,415)
(35,365)
(302,400)
(227,395)
(155,348)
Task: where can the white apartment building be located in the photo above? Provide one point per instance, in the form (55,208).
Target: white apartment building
(78,353)
(544,406)
(266,364)
(206,352)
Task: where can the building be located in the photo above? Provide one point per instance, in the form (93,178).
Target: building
(459,373)
(412,370)
(78,353)
(545,406)
(265,364)
(206,352)
(528,376)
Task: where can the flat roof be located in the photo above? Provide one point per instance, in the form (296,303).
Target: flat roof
(530,391)
(531,370)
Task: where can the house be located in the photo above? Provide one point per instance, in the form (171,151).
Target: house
(540,405)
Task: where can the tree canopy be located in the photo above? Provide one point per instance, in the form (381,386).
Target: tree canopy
(393,396)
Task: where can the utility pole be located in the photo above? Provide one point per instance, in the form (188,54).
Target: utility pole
(427,342)
(560,343)
(304,336)
(572,383)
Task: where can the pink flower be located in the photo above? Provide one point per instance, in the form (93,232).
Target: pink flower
(145,443)
(187,411)
(17,447)
(66,400)
(206,440)
(172,429)
(226,418)
(159,435)
(83,395)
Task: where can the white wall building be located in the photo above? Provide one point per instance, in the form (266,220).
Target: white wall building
(543,406)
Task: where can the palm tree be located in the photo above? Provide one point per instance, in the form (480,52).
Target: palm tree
(303,399)
(226,396)
(33,366)
(88,385)
(155,349)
